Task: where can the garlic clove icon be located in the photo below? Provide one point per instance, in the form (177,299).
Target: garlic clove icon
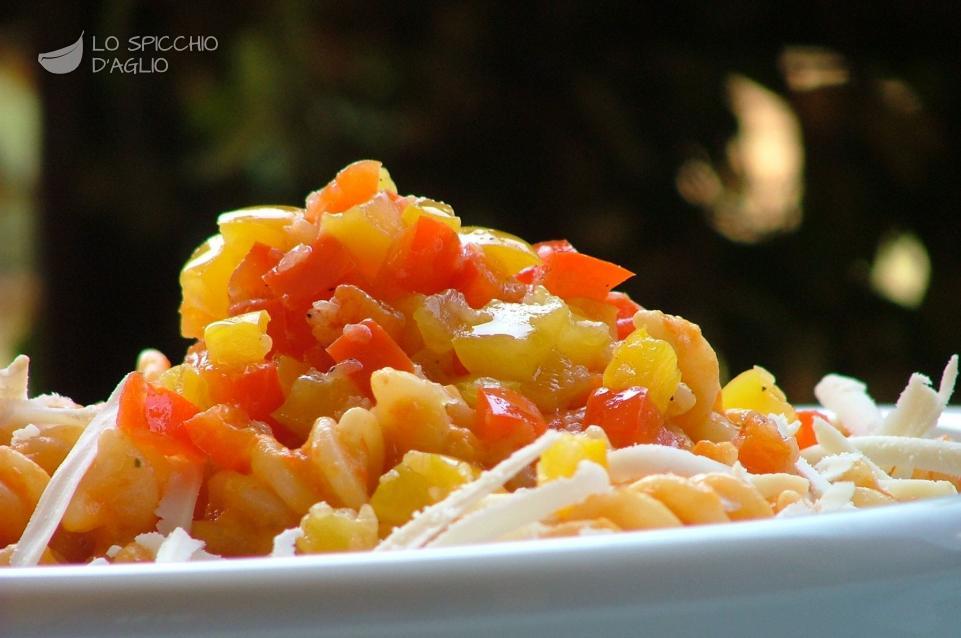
(63,60)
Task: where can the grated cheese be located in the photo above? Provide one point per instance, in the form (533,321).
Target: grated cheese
(24,434)
(817,484)
(178,547)
(931,455)
(948,378)
(786,430)
(834,466)
(915,489)
(836,443)
(285,543)
(849,400)
(631,463)
(176,507)
(919,406)
(63,484)
(150,541)
(836,498)
(432,520)
(525,506)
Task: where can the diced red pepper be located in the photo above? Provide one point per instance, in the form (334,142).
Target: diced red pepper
(288,327)
(226,435)
(154,416)
(531,274)
(547,248)
(369,344)
(572,274)
(480,283)
(507,416)
(311,272)
(628,416)
(247,280)
(805,434)
(255,388)
(424,260)
(626,308)
(353,185)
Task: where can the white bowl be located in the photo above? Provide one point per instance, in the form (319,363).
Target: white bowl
(891,571)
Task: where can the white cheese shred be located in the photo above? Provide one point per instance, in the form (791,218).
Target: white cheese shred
(817,483)
(24,434)
(849,400)
(834,442)
(176,507)
(63,484)
(916,411)
(432,520)
(929,455)
(786,430)
(178,547)
(836,498)
(635,462)
(285,543)
(525,506)
(948,378)
(915,489)
(13,381)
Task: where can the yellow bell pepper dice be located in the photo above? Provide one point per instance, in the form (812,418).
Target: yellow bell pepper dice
(238,340)
(367,231)
(435,210)
(204,281)
(419,480)
(326,529)
(642,360)
(186,380)
(561,459)
(755,389)
(507,253)
(265,224)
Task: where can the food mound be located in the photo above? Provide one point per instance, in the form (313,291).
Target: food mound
(370,374)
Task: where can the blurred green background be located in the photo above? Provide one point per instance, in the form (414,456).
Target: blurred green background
(784,174)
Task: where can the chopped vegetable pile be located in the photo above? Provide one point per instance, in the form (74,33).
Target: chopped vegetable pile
(368,373)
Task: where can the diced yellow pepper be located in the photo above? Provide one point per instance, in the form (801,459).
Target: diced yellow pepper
(510,346)
(239,340)
(520,337)
(367,231)
(419,480)
(441,316)
(756,390)
(205,277)
(438,211)
(508,253)
(264,224)
(560,384)
(317,394)
(204,283)
(186,380)
(337,530)
(642,360)
(385,182)
(469,387)
(561,459)
(288,370)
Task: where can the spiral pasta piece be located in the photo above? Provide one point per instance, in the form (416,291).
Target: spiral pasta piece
(21,483)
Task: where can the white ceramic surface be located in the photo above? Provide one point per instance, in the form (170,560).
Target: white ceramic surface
(893,571)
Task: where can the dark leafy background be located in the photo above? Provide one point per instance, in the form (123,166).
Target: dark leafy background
(546,119)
